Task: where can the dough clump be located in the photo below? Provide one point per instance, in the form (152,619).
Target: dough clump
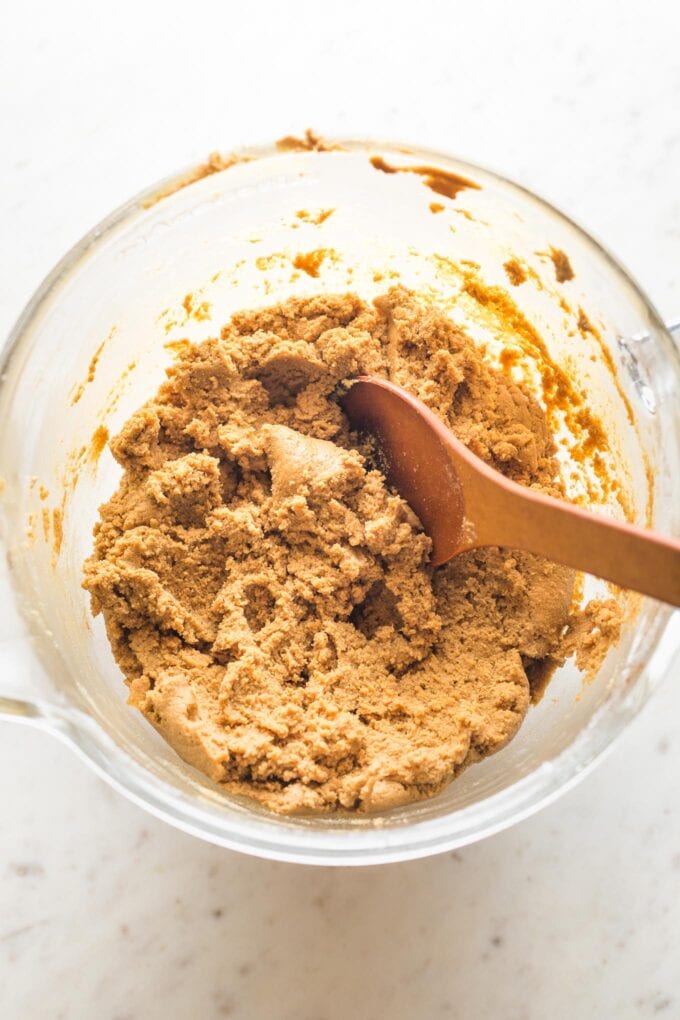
(269,598)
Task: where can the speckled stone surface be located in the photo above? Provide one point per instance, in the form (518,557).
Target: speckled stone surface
(107,913)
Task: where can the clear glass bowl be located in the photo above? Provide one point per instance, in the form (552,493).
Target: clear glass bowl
(230,239)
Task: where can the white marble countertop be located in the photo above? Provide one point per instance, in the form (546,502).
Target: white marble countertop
(107,913)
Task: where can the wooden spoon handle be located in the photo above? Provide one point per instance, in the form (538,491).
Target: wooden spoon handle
(622,553)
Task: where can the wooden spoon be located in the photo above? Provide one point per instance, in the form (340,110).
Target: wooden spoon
(463,504)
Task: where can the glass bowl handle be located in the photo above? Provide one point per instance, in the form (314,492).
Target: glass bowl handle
(21,697)
(26,694)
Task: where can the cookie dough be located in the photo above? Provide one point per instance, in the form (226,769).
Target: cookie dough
(269,598)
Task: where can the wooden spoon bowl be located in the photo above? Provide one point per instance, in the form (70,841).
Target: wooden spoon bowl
(462,503)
